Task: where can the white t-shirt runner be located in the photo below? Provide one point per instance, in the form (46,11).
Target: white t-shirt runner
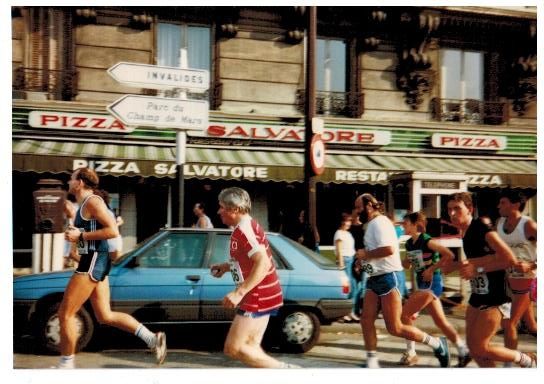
(380,232)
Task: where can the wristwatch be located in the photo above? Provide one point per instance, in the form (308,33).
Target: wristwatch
(480,269)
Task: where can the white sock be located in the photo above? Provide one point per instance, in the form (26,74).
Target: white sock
(67,361)
(410,347)
(433,342)
(146,335)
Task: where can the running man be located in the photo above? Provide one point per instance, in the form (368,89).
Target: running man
(93,225)
(488,258)
(258,293)
(426,257)
(381,260)
(519,232)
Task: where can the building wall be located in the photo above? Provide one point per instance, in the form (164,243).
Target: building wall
(99,47)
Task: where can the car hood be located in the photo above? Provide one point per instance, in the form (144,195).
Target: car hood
(36,285)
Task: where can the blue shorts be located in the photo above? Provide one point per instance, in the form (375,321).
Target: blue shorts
(381,285)
(97,265)
(256,315)
(436,285)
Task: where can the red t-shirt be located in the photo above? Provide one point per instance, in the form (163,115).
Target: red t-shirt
(248,238)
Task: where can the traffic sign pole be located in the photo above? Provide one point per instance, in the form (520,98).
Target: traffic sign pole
(181,145)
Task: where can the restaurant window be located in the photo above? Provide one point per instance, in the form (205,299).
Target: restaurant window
(171,38)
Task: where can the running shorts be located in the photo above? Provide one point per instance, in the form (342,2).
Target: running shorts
(97,265)
(381,285)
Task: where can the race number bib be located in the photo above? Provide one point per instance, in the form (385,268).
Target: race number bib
(480,285)
(82,245)
(368,268)
(416,258)
(236,272)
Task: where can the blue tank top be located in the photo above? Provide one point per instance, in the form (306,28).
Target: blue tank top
(89,226)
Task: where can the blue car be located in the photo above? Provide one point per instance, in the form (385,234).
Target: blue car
(166,280)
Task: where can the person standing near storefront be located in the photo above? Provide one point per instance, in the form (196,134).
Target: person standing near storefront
(344,248)
(488,257)
(258,293)
(93,225)
(203,221)
(426,256)
(520,233)
(381,260)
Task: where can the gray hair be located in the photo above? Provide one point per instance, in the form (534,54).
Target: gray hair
(235,198)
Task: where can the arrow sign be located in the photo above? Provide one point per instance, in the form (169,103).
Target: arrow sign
(161,112)
(159,77)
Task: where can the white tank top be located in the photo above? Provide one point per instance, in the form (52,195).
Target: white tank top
(524,249)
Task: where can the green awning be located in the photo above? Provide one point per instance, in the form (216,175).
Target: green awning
(270,164)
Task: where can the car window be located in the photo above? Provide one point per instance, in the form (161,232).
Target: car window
(177,250)
(285,245)
(221,251)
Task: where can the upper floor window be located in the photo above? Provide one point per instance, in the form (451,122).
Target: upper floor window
(462,74)
(331,65)
(336,79)
(462,94)
(171,38)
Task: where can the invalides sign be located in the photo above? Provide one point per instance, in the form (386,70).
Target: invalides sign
(292,133)
(77,121)
(473,142)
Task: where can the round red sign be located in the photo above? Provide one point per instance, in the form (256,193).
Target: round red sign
(317,155)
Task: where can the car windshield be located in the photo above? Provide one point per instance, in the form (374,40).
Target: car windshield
(279,242)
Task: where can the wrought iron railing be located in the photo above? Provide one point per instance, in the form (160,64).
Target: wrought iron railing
(470,111)
(54,84)
(348,104)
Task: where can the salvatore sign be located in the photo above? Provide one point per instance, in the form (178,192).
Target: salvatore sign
(292,133)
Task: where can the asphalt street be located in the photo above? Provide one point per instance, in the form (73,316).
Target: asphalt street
(340,346)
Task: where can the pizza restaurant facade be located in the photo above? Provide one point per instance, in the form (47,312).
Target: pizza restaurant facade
(262,154)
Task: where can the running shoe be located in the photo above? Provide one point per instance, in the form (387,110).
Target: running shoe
(532,355)
(160,347)
(354,317)
(442,353)
(408,360)
(372,363)
(463,360)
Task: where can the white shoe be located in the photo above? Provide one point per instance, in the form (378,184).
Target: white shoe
(160,347)
(373,363)
(354,317)
(64,365)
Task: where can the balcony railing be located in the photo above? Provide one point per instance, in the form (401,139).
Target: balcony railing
(348,104)
(470,111)
(42,83)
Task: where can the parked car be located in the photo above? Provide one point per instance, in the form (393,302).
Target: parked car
(166,280)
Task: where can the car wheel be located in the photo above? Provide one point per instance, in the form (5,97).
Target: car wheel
(299,331)
(47,330)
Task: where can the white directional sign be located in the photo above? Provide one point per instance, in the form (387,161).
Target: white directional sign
(159,77)
(161,112)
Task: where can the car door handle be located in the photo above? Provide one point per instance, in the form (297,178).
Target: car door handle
(193,278)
